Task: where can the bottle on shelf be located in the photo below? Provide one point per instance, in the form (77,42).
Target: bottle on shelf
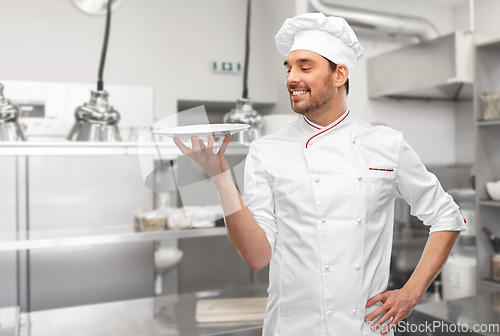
(495,260)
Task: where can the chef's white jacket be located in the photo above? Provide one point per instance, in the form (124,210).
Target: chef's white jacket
(324,196)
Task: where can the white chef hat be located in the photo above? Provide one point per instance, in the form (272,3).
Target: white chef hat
(328,36)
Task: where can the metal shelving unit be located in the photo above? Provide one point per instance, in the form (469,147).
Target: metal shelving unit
(168,149)
(489,203)
(487,160)
(27,240)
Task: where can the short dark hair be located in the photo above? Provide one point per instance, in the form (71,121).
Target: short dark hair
(333,66)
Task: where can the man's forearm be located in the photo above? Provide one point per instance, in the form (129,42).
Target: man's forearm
(245,235)
(436,252)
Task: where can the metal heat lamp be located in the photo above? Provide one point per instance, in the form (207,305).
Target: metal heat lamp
(9,125)
(97,120)
(244,112)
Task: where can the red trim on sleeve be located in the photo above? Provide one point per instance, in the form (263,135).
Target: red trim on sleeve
(462,216)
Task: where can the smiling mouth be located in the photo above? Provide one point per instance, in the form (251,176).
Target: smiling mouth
(297,94)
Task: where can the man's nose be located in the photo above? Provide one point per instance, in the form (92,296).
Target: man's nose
(293,77)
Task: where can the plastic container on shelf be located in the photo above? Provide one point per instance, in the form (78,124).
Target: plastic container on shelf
(459,272)
(495,267)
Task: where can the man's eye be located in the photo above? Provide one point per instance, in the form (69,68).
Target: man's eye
(288,71)
(305,69)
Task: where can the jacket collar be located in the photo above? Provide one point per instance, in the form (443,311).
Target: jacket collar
(313,130)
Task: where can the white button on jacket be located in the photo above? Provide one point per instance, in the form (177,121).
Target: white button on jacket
(355,238)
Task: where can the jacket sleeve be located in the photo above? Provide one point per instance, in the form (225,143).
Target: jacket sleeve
(425,195)
(258,195)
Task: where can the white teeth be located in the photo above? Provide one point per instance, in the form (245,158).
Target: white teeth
(298,93)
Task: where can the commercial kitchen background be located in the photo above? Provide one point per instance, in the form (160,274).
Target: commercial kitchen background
(169,46)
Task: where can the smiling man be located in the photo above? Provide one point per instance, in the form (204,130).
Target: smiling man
(303,100)
(319,198)
(331,240)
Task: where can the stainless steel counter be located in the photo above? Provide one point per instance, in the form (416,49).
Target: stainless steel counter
(172,315)
(480,314)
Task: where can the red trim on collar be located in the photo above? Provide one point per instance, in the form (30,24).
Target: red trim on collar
(309,122)
(327,128)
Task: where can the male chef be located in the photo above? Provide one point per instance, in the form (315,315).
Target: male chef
(319,196)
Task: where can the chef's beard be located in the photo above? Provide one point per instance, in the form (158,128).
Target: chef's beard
(316,102)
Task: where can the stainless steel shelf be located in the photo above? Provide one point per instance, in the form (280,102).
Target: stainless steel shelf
(490,284)
(168,149)
(489,203)
(484,42)
(488,122)
(28,240)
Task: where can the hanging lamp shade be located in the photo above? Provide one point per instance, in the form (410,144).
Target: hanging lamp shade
(10,130)
(95,7)
(96,120)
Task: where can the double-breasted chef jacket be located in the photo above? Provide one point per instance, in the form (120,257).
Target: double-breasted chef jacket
(324,196)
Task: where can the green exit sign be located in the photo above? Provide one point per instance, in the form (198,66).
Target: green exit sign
(226,67)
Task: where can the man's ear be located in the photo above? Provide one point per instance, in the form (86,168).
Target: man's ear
(342,73)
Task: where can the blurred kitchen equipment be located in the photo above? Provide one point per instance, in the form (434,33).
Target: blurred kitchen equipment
(491,105)
(495,242)
(244,112)
(163,218)
(495,267)
(451,55)
(203,216)
(145,221)
(229,310)
(459,273)
(378,21)
(452,78)
(472,178)
(493,189)
(47,108)
(495,260)
(165,258)
(9,321)
(170,218)
(95,7)
(459,277)
(134,134)
(273,122)
(97,120)
(435,296)
(9,125)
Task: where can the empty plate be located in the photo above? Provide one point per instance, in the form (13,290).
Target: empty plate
(201,131)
